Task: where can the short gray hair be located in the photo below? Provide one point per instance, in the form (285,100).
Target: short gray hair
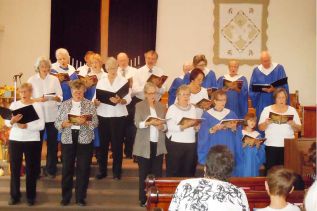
(111,63)
(149,85)
(40,60)
(62,51)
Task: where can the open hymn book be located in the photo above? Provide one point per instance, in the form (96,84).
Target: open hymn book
(259,87)
(251,141)
(279,118)
(61,76)
(233,84)
(150,118)
(28,112)
(74,119)
(104,96)
(184,119)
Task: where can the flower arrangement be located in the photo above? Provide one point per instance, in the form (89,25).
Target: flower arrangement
(6,91)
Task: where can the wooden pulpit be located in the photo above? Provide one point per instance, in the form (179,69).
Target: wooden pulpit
(296,155)
(309,122)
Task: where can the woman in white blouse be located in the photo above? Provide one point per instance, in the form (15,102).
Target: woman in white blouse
(181,143)
(24,140)
(48,91)
(198,92)
(275,132)
(111,120)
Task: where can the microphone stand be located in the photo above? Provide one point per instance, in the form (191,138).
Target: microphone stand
(15,78)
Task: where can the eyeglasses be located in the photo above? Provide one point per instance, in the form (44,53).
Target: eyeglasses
(150,93)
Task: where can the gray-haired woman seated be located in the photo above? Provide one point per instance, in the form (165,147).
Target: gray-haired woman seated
(76,121)
(149,145)
(211,192)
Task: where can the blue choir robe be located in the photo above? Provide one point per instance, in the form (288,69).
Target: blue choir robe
(172,91)
(248,159)
(210,80)
(72,75)
(265,76)
(207,140)
(236,101)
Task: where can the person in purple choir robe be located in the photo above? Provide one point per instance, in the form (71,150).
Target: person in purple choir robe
(62,66)
(266,73)
(200,61)
(211,132)
(188,66)
(237,97)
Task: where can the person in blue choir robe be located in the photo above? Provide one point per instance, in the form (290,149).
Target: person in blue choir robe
(200,61)
(249,156)
(237,98)
(177,83)
(213,133)
(62,66)
(266,73)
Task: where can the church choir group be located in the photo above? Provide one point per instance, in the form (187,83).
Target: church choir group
(194,122)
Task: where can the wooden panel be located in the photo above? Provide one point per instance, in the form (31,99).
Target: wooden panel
(309,121)
(294,155)
(104,26)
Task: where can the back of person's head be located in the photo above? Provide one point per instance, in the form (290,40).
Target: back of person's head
(219,163)
(280,181)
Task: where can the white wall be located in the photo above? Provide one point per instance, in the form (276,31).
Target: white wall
(25,36)
(185,28)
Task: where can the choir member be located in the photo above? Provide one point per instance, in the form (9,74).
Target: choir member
(111,120)
(212,192)
(77,146)
(128,72)
(24,141)
(86,68)
(62,66)
(237,97)
(178,82)
(181,140)
(95,69)
(276,132)
(48,91)
(143,74)
(249,156)
(200,62)
(212,132)
(197,91)
(149,146)
(266,73)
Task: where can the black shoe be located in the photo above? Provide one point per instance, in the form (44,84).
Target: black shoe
(13,201)
(142,204)
(101,176)
(81,203)
(64,202)
(128,157)
(51,176)
(31,202)
(116,177)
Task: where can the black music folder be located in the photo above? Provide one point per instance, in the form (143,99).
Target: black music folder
(104,96)
(28,112)
(258,87)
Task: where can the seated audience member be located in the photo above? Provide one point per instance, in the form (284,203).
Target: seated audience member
(178,82)
(24,139)
(181,141)
(62,66)
(149,145)
(310,201)
(211,192)
(275,130)
(279,184)
(77,146)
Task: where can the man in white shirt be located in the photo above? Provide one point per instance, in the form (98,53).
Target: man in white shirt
(86,68)
(143,74)
(127,72)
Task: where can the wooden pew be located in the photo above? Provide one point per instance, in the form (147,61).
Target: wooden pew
(169,184)
(256,199)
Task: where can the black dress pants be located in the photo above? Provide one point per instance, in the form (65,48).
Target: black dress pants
(181,159)
(153,166)
(80,154)
(52,147)
(110,131)
(29,149)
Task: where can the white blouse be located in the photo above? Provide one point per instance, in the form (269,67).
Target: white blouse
(47,86)
(140,78)
(32,132)
(154,133)
(174,115)
(75,110)
(276,133)
(118,110)
(195,98)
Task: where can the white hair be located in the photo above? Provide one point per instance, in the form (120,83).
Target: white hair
(111,63)
(62,51)
(38,62)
